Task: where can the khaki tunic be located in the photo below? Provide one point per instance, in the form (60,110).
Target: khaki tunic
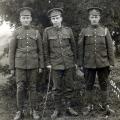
(25,49)
(95,47)
(59,47)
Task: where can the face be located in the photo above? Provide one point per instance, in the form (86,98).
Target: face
(94,19)
(56,20)
(25,20)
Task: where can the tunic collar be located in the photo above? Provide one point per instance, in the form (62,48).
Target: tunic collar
(26,27)
(94,27)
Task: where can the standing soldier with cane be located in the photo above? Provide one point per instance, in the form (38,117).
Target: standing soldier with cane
(60,55)
(96,55)
(26,59)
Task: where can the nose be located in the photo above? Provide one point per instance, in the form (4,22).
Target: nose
(55,20)
(26,19)
(93,18)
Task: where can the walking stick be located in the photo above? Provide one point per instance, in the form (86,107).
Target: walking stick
(46,97)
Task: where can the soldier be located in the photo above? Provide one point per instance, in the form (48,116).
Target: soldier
(60,54)
(96,56)
(26,60)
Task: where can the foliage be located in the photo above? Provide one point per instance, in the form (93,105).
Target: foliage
(75,11)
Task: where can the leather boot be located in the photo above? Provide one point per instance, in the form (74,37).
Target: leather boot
(55,114)
(107,110)
(71,111)
(35,115)
(19,115)
(89,100)
(103,99)
(88,109)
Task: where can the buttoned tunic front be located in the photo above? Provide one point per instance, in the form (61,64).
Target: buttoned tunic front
(59,47)
(26,51)
(95,47)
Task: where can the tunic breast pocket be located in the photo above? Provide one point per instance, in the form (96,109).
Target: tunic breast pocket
(33,37)
(101,38)
(32,40)
(20,41)
(89,39)
(53,41)
(66,40)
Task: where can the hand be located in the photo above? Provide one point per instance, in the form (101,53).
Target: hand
(76,66)
(40,70)
(81,68)
(111,67)
(79,73)
(12,72)
(49,66)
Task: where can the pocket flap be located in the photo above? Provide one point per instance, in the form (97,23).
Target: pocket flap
(33,37)
(20,37)
(88,35)
(66,36)
(52,37)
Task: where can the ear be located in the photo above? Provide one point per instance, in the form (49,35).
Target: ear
(31,18)
(100,17)
(89,17)
(61,18)
(20,18)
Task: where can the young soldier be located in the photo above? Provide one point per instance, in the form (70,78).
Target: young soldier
(60,54)
(96,56)
(26,59)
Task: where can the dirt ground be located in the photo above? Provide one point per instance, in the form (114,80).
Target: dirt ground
(8,103)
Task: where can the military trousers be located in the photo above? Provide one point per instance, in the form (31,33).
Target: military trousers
(63,87)
(90,76)
(26,82)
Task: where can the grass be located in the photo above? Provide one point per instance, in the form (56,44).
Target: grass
(8,100)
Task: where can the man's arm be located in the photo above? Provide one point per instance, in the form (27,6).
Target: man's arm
(81,47)
(73,46)
(110,47)
(40,50)
(46,48)
(12,51)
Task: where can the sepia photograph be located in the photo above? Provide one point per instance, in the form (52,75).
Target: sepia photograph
(59,59)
